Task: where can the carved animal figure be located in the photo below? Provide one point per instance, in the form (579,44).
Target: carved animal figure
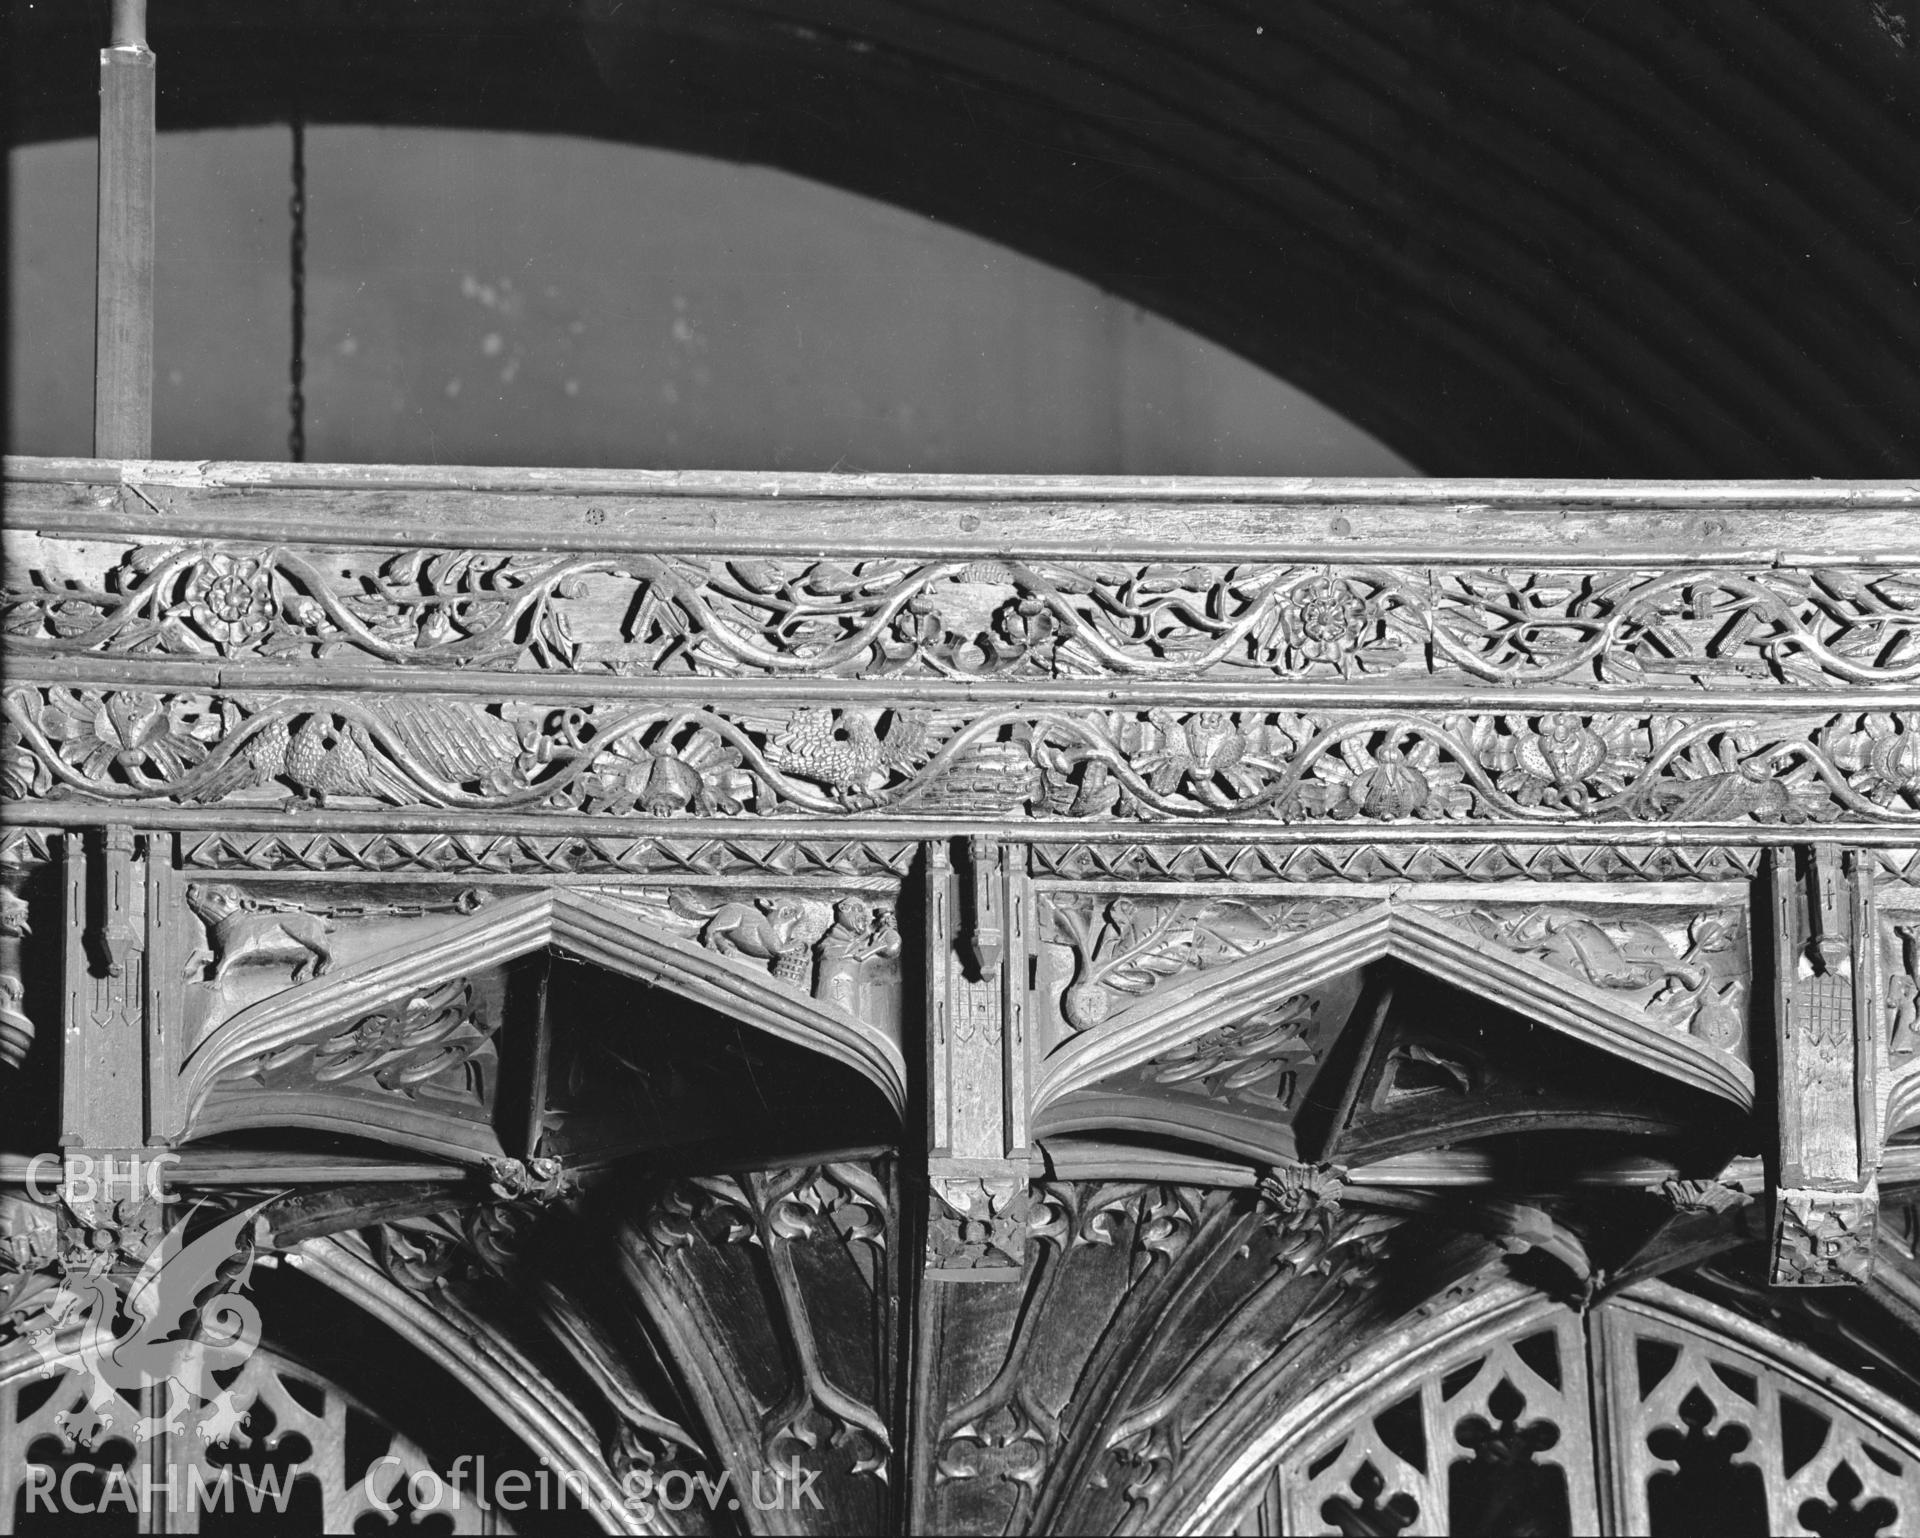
(781,931)
(842,749)
(1749,791)
(243,934)
(1583,947)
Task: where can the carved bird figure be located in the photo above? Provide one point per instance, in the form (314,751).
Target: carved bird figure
(323,759)
(842,749)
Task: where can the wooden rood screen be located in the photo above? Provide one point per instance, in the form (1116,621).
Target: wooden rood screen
(986,991)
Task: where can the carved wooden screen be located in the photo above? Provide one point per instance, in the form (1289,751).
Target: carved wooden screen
(315,1458)
(1657,1414)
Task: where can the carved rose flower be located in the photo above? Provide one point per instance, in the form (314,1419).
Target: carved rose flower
(1325,620)
(1881,759)
(120,735)
(230,597)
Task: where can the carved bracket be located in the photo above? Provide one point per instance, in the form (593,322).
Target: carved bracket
(977,1220)
(1823,1238)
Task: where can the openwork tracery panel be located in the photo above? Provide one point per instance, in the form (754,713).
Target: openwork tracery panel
(1482,1425)
(1748,1434)
(1655,1413)
(308,1451)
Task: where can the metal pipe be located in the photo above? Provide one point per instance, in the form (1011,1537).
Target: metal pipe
(123,269)
(129,24)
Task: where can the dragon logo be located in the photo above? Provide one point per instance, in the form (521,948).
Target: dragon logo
(188,1321)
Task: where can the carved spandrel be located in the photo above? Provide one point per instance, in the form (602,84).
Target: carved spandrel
(250,939)
(1682,967)
(1688,968)
(241,942)
(1102,955)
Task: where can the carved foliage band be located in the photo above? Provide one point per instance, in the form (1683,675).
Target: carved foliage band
(716,615)
(1340,766)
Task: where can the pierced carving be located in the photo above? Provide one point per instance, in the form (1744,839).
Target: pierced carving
(1485,1432)
(711,614)
(842,750)
(128,745)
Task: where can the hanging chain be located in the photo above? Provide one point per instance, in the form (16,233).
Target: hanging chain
(297,364)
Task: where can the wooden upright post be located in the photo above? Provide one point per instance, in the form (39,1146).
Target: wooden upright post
(123,284)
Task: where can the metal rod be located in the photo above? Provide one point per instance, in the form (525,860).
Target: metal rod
(297,268)
(123,271)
